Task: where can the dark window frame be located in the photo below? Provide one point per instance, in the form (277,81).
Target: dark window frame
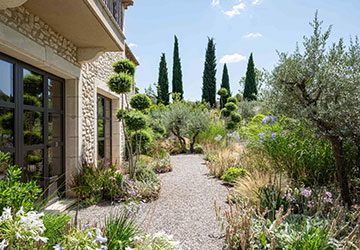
(19,147)
(104,118)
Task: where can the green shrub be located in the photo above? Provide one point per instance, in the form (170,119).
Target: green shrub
(162,165)
(13,193)
(198,149)
(223,92)
(225,112)
(232,174)
(235,117)
(146,139)
(120,83)
(231,106)
(232,100)
(145,173)
(158,241)
(56,225)
(135,120)
(148,182)
(230,125)
(121,228)
(140,102)
(214,129)
(124,66)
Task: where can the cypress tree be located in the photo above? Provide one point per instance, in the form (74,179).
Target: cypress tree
(177,73)
(209,75)
(250,91)
(163,82)
(225,83)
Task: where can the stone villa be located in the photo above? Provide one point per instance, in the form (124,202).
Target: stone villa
(55,106)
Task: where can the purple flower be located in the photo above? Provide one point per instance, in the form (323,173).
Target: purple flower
(273,136)
(327,200)
(328,194)
(112,178)
(310,204)
(306,193)
(101,239)
(269,120)
(85,227)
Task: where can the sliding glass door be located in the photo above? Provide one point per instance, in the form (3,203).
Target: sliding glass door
(32,121)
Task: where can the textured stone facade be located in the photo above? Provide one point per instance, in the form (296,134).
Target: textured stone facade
(101,69)
(34,28)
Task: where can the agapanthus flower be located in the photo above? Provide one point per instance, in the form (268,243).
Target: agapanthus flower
(269,119)
(218,138)
(273,136)
(306,193)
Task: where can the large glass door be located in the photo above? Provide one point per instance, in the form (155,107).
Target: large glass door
(31,121)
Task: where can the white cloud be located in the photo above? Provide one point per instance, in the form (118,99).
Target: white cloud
(256,2)
(234,58)
(215,2)
(132,45)
(235,10)
(253,35)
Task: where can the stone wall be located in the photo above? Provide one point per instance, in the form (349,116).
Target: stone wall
(34,28)
(100,69)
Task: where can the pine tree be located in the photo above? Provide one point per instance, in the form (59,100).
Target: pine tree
(250,91)
(209,75)
(225,83)
(177,73)
(163,82)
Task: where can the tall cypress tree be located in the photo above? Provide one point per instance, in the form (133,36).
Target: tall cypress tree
(163,82)
(177,73)
(225,83)
(250,91)
(209,75)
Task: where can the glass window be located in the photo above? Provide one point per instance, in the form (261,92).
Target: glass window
(55,128)
(33,88)
(6,81)
(6,128)
(55,93)
(104,129)
(55,161)
(33,128)
(33,164)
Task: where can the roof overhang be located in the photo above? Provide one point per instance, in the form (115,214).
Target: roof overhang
(129,55)
(87,23)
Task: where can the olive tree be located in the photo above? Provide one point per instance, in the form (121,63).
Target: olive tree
(322,85)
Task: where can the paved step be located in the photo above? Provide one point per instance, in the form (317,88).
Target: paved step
(60,206)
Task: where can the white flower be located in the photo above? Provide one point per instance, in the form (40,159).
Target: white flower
(218,138)
(6,215)
(3,244)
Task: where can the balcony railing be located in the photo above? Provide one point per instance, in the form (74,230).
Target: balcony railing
(117,11)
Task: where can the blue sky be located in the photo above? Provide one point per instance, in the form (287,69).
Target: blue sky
(238,27)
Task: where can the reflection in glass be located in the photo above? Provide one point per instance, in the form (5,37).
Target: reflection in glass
(101,149)
(4,166)
(6,81)
(33,127)
(100,106)
(33,88)
(6,128)
(55,161)
(33,164)
(55,94)
(100,128)
(55,128)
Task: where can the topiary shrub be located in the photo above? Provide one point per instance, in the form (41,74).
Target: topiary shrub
(223,92)
(124,66)
(235,117)
(198,149)
(140,102)
(232,100)
(146,139)
(134,120)
(232,174)
(230,125)
(225,112)
(231,106)
(120,83)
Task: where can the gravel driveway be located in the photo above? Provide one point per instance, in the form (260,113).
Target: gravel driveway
(186,205)
(185,208)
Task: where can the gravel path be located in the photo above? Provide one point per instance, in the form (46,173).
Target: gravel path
(186,205)
(185,208)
